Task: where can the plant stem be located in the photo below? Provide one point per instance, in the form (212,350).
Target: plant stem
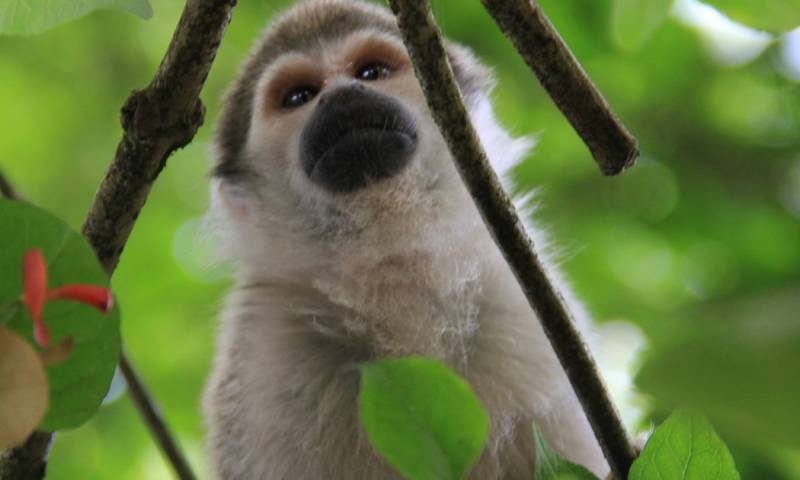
(151,415)
(6,189)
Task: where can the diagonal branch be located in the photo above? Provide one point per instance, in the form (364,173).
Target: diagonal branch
(424,43)
(545,52)
(156,121)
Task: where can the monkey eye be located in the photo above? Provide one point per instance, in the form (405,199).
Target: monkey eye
(373,71)
(298,96)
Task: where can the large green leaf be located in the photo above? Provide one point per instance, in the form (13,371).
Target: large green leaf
(634,21)
(550,466)
(684,447)
(78,385)
(741,372)
(423,418)
(770,15)
(28,17)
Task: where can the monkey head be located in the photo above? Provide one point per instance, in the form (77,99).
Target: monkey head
(326,134)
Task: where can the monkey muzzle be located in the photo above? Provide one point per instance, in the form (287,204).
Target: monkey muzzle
(356,136)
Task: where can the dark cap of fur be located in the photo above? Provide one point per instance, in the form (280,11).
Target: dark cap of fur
(305,27)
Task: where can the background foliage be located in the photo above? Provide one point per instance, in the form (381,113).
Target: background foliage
(704,231)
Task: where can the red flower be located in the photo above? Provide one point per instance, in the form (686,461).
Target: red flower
(36,294)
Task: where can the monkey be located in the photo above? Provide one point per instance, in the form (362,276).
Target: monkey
(354,239)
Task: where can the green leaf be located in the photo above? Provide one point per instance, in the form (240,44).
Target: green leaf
(423,418)
(770,15)
(78,385)
(633,22)
(737,371)
(28,17)
(549,466)
(684,447)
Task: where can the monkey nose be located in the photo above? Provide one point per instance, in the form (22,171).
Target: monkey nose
(355,137)
(343,94)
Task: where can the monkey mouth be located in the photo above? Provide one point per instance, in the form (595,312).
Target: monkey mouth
(355,138)
(360,157)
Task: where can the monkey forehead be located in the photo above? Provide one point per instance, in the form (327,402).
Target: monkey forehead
(336,57)
(309,26)
(316,23)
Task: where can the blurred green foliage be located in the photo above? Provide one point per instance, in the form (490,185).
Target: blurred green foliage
(705,228)
(28,17)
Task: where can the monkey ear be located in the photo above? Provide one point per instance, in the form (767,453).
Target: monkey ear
(231,197)
(474,79)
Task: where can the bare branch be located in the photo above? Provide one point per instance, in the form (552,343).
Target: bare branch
(542,48)
(424,43)
(29,460)
(156,121)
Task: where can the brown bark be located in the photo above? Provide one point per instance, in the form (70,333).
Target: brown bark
(29,460)
(537,41)
(156,121)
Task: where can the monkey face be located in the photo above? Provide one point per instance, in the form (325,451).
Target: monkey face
(326,142)
(346,121)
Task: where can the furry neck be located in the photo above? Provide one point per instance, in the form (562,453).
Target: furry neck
(420,301)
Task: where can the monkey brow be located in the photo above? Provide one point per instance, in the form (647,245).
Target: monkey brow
(307,30)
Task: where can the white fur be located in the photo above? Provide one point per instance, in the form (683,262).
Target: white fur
(402,267)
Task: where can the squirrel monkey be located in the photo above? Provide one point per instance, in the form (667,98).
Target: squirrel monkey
(354,239)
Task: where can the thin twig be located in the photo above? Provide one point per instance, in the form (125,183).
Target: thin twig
(424,43)
(149,411)
(6,189)
(156,121)
(542,48)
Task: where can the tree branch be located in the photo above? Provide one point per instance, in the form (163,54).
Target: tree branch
(29,460)
(156,121)
(543,49)
(424,43)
